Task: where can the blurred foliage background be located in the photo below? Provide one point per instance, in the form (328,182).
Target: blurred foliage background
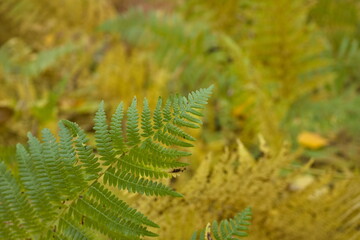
(281,134)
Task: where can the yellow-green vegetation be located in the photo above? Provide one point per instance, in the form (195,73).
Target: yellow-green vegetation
(280,135)
(288,200)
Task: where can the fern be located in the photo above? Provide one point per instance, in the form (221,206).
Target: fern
(21,17)
(288,52)
(61,190)
(191,50)
(227,229)
(13,53)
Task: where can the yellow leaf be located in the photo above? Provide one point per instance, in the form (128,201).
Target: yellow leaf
(301,183)
(312,140)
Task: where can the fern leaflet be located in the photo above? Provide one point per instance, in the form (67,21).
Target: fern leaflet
(231,229)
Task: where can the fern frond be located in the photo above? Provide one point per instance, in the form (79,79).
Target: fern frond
(132,130)
(30,178)
(109,219)
(158,118)
(84,152)
(231,229)
(15,210)
(70,229)
(116,132)
(152,158)
(169,140)
(146,123)
(179,132)
(25,15)
(180,46)
(62,190)
(75,180)
(133,183)
(104,196)
(53,164)
(41,171)
(9,53)
(102,136)
(129,163)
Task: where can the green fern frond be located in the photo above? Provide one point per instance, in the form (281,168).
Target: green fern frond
(230,229)
(140,185)
(10,55)
(15,211)
(102,136)
(69,229)
(116,132)
(30,177)
(84,152)
(132,130)
(68,156)
(104,196)
(180,46)
(146,123)
(62,189)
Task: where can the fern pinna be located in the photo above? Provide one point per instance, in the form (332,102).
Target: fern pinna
(231,229)
(62,191)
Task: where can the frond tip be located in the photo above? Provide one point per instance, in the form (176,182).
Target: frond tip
(229,229)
